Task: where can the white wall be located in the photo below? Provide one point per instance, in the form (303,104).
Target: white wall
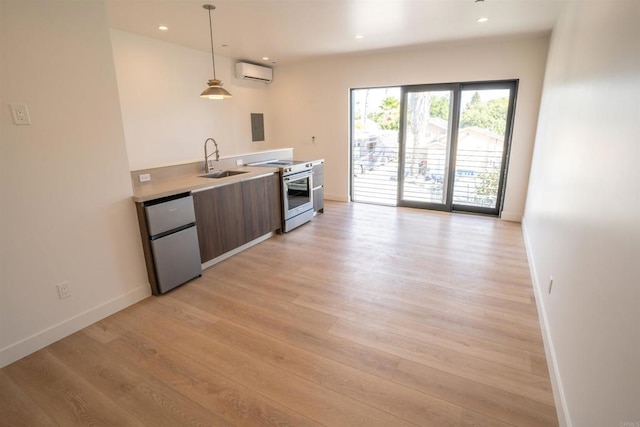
(165,120)
(312,99)
(582,219)
(65,194)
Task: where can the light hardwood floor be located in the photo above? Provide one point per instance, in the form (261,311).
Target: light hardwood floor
(367,316)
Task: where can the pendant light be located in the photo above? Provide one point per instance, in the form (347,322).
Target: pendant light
(215,90)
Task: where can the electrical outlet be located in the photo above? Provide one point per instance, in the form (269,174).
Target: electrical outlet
(64,290)
(20,114)
(550,283)
(144,177)
(239,162)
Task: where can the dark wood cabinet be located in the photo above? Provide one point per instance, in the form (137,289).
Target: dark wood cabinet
(318,186)
(274,202)
(220,220)
(261,201)
(232,215)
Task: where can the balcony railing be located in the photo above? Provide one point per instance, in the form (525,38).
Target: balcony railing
(475,184)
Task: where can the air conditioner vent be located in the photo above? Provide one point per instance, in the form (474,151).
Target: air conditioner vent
(245,70)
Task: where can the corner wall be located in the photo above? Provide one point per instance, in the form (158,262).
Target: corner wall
(66,212)
(582,218)
(312,99)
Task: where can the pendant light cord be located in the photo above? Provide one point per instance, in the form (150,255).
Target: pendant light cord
(213,60)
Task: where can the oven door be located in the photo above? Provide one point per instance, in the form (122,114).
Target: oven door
(297,191)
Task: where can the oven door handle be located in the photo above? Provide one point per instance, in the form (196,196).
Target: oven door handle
(297,176)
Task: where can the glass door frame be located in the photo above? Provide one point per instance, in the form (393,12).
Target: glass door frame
(512,86)
(452,144)
(452,135)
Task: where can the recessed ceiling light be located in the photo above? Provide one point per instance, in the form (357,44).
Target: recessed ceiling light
(265,58)
(163,27)
(359,36)
(483,19)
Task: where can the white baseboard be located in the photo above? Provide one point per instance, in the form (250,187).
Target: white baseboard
(336,197)
(67,327)
(511,216)
(556,383)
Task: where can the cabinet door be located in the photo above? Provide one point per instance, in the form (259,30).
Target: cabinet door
(318,175)
(261,197)
(220,220)
(318,199)
(318,187)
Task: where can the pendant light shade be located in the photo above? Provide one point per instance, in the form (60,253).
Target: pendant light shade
(215,90)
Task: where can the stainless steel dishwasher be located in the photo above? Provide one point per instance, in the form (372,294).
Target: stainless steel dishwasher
(173,238)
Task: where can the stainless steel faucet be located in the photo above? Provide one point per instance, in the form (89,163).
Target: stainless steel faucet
(208,167)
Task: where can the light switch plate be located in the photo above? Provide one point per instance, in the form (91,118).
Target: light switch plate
(20,114)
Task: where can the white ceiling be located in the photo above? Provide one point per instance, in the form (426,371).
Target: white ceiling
(293,30)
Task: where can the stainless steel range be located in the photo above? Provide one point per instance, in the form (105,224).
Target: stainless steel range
(296,179)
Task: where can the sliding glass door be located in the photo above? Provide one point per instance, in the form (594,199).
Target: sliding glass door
(481,147)
(442,147)
(426,147)
(454,145)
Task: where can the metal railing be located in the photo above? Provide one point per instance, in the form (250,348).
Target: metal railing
(475,184)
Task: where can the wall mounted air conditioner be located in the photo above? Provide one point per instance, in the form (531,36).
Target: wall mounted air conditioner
(244,70)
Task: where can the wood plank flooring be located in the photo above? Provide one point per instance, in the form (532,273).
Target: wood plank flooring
(367,316)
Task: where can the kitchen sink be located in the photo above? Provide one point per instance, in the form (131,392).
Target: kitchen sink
(221,174)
